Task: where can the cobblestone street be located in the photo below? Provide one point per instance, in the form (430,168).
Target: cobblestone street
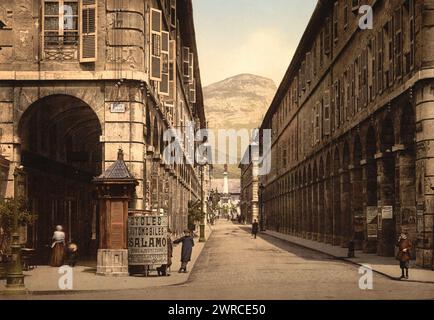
(234,266)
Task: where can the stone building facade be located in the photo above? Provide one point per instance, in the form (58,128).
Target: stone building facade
(80,79)
(352,150)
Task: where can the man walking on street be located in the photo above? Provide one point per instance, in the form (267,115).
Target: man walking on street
(187,249)
(255,228)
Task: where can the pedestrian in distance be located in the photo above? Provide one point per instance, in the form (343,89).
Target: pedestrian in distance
(404,254)
(187,249)
(255,229)
(58,248)
(164,269)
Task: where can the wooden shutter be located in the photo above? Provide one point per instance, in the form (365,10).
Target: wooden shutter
(317,122)
(398,43)
(373,69)
(191,67)
(390,58)
(88,31)
(327,113)
(155,54)
(192,91)
(165,48)
(412,33)
(380,61)
(186,63)
(173,17)
(172,70)
(308,67)
(327,37)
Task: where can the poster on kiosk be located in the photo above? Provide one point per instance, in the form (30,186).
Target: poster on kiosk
(147,239)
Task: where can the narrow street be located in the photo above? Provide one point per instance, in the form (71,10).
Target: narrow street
(233,266)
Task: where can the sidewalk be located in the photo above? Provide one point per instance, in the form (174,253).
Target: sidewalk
(44,279)
(388,267)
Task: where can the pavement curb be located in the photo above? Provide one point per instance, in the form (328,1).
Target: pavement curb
(76,292)
(344,259)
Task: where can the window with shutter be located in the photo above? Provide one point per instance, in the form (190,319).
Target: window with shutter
(165,67)
(372,69)
(308,67)
(317,122)
(155,53)
(326,113)
(192,91)
(172,70)
(380,61)
(191,67)
(327,36)
(337,106)
(389,76)
(412,33)
(397,22)
(88,31)
(335,22)
(186,63)
(173,17)
(60,29)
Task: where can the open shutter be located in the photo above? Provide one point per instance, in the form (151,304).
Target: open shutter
(88,31)
(398,43)
(173,17)
(192,91)
(164,83)
(186,63)
(327,112)
(172,70)
(155,54)
(327,37)
(191,67)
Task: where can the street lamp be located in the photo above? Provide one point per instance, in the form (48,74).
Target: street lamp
(261,203)
(15,277)
(202,163)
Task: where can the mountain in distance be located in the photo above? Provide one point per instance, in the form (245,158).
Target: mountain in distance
(239,102)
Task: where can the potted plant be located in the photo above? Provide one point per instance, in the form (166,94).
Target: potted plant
(8,208)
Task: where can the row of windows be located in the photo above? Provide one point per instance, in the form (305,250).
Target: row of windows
(387,58)
(393,44)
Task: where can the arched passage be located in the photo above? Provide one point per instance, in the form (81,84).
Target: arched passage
(315,211)
(328,201)
(321,202)
(371,188)
(407,175)
(346,220)
(359,218)
(386,172)
(337,214)
(61,154)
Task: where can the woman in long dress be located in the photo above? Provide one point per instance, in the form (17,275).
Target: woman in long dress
(58,248)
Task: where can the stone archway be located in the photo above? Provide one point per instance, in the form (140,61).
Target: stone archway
(406,164)
(358,214)
(346,198)
(61,153)
(337,213)
(315,212)
(328,195)
(371,186)
(386,179)
(321,202)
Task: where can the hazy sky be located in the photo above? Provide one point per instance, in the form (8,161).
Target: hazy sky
(248,36)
